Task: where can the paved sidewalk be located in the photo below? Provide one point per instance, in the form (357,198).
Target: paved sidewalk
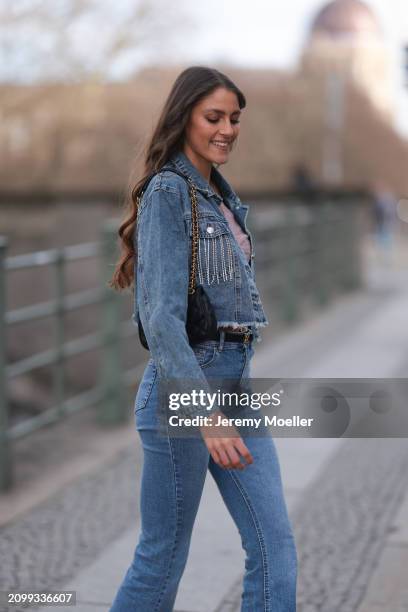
(360,336)
(347,498)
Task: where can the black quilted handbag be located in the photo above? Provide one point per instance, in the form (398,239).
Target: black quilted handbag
(201,322)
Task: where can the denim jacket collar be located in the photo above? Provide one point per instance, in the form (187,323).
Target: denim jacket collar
(181,161)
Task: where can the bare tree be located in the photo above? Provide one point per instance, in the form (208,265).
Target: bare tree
(77,40)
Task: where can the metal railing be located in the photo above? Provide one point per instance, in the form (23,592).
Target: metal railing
(302,251)
(306,255)
(109,393)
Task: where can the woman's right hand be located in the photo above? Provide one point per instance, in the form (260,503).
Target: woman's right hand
(226,446)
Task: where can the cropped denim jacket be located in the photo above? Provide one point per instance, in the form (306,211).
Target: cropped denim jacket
(163,245)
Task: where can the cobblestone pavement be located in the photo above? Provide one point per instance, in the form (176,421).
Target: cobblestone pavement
(342,523)
(50,544)
(340,526)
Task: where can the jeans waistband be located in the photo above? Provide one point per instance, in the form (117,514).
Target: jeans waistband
(225,341)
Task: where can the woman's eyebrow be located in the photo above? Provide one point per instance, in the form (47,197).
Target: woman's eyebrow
(221,112)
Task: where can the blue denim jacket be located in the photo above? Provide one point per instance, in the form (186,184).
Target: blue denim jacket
(163,244)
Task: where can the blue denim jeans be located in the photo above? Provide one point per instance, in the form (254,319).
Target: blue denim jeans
(173,476)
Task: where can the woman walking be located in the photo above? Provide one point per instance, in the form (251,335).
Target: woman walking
(186,229)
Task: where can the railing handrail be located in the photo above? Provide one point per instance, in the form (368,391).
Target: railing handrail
(70,302)
(51,256)
(108,391)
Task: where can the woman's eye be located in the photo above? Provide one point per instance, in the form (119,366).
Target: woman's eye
(233,121)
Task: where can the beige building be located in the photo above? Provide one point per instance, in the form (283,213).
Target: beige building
(346,38)
(87,138)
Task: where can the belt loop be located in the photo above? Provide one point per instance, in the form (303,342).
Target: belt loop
(222,339)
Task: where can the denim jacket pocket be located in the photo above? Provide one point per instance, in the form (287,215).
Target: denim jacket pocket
(215,263)
(146,386)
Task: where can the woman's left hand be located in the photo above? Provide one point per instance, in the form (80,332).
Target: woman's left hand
(225,445)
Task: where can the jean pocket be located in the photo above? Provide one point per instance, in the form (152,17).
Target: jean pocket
(205,355)
(146,386)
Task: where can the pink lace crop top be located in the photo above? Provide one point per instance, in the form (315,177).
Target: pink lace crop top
(239,234)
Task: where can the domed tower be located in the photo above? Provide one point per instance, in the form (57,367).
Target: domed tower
(346,38)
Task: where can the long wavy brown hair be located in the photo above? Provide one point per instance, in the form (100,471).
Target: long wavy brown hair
(190,87)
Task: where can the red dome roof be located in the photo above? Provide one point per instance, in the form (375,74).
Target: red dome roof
(346,17)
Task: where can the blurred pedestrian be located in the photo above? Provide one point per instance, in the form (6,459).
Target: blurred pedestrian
(302,182)
(384,215)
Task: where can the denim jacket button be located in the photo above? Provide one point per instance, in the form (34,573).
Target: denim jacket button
(210,229)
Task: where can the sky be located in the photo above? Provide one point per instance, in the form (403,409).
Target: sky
(268,33)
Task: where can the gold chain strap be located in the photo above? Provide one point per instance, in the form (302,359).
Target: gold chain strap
(194,242)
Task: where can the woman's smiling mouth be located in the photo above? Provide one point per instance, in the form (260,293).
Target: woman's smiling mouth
(221,144)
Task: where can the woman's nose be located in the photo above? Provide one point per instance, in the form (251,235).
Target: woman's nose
(227,128)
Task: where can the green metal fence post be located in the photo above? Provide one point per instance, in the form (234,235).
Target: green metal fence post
(290,296)
(59,372)
(5,450)
(319,253)
(352,277)
(328,254)
(113,408)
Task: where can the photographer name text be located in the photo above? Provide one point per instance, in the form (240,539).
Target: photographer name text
(255,422)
